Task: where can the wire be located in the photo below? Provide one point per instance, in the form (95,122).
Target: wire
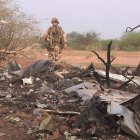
(129,29)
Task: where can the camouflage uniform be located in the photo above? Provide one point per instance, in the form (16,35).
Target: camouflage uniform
(57,40)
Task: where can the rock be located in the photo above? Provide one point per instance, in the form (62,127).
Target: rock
(41,105)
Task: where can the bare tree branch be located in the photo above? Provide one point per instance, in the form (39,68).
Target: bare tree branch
(129,29)
(108,63)
(99,57)
(113,59)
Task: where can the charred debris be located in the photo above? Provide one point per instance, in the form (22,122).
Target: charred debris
(52,100)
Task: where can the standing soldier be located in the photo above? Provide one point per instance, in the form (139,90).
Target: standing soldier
(56,38)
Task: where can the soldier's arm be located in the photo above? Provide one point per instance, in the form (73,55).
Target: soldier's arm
(64,36)
(65,40)
(46,35)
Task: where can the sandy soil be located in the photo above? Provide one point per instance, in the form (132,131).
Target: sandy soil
(84,57)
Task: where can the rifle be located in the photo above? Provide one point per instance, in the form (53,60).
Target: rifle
(56,38)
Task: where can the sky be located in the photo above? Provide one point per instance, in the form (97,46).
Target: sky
(109,18)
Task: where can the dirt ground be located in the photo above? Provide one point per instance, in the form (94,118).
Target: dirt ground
(123,58)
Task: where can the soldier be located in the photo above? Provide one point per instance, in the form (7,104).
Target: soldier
(56,38)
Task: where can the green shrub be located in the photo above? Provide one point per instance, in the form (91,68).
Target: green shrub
(82,41)
(130,41)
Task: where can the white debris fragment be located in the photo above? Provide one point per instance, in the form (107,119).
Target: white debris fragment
(3,21)
(10,85)
(37,79)
(118,78)
(27,81)
(8,96)
(31,90)
(15,119)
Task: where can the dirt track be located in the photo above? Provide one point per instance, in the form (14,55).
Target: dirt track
(85,57)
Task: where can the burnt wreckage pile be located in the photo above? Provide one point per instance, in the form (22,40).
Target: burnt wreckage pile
(70,102)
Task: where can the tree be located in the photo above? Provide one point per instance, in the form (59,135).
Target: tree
(130,41)
(90,38)
(17,32)
(82,41)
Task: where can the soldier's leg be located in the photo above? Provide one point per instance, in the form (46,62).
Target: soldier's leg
(51,53)
(57,52)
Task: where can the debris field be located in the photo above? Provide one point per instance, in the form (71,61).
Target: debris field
(59,101)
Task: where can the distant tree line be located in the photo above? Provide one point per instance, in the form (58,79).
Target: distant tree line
(88,41)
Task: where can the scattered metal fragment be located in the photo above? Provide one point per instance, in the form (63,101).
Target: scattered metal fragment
(107,111)
(128,124)
(37,67)
(137,71)
(2,95)
(41,105)
(104,112)
(46,124)
(63,113)
(13,66)
(27,81)
(46,89)
(8,96)
(18,73)
(86,85)
(36,112)
(119,78)
(117,96)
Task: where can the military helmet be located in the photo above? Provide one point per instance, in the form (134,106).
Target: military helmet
(54,20)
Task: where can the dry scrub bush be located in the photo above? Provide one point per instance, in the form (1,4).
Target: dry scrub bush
(17,30)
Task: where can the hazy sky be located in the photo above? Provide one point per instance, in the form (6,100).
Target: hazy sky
(107,17)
